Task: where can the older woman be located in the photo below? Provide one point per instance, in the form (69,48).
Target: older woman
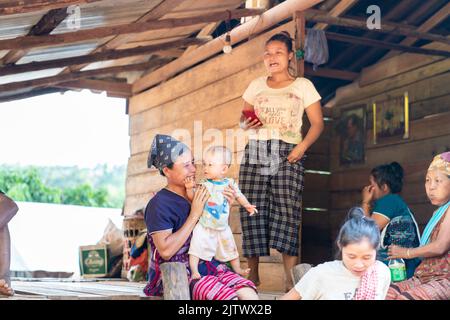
(431,280)
(8,209)
(170,220)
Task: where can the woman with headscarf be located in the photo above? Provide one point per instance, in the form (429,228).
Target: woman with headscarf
(431,280)
(170,220)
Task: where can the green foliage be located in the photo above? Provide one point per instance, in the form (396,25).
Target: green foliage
(98,187)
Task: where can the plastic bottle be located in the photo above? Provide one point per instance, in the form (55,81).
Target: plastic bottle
(398,270)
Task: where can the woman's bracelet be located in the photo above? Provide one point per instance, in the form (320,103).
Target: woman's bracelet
(407,254)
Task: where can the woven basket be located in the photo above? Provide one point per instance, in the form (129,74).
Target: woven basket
(132,226)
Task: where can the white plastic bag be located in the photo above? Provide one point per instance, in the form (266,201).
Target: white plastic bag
(316,47)
(113,238)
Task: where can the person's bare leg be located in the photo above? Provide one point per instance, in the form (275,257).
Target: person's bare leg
(253,265)
(5,257)
(193,264)
(247,294)
(289,262)
(236,266)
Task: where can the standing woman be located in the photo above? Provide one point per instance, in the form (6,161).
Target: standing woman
(271,173)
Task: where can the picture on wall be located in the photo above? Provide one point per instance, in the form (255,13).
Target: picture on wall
(391,119)
(352,131)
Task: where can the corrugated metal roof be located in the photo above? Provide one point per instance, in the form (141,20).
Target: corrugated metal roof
(108,13)
(18,25)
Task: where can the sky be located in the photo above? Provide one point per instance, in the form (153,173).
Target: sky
(75,128)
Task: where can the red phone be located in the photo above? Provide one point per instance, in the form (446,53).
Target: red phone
(251,115)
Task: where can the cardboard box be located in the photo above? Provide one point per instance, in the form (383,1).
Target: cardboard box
(93,261)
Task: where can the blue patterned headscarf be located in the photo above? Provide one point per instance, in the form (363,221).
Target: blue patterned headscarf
(164,151)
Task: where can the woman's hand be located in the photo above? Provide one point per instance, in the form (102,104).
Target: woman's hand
(395,252)
(246,124)
(230,194)
(189,183)
(296,154)
(367,194)
(199,201)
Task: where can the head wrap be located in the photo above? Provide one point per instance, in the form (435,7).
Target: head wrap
(164,151)
(441,163)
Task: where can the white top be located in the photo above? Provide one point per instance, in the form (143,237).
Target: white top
(281,109)
(333,281)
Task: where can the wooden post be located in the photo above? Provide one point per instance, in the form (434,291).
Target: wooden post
(175,281)
(299,20)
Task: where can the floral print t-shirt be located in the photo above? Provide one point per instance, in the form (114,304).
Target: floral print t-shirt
(280,110)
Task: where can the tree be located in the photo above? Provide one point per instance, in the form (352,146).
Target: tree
(27,184)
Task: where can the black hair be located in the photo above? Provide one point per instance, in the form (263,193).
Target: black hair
(358,227)
(389,174)
(284,37)
(170,166)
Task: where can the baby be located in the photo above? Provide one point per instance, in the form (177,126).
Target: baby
(212,236)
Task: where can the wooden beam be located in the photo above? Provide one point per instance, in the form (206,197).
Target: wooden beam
(170,53)
(20,6)
(385,45)
(388,27)
(115,88)
(331,73)
(300,25)
(206,31)
(30,94)
(44,26)
(437,18)
(396,65)
(50,81)
(99,56)
(337,10)
(341,58)
(268,19)
(102,32)
(158,11)
(368,55)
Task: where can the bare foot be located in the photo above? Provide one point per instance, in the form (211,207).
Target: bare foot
(196,275)
(5,289)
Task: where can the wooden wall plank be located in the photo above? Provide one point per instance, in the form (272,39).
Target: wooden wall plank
(191,105)
(205,73)
(395,82)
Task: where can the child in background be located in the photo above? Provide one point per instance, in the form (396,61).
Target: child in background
(212,236)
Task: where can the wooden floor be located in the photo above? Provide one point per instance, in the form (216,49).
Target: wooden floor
(86,289)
